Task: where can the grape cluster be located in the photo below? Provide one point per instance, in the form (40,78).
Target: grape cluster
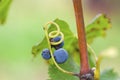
(60,54)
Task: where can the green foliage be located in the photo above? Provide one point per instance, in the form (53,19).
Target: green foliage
(109,75)
(70,65)
(69,39)
(97,27)
(4,7)
(36,49)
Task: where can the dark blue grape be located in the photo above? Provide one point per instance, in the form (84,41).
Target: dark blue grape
(57,39)
(60,56)
(46,54)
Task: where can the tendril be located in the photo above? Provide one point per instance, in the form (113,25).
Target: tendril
(54,34)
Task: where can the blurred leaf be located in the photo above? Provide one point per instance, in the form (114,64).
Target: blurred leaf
(109,75)
(4,7)
(97,27)
(70,65)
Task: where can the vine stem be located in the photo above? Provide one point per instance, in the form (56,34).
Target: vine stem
(84,69)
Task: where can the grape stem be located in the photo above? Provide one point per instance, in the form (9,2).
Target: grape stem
(84,65)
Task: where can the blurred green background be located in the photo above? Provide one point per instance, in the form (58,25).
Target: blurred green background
(23,29)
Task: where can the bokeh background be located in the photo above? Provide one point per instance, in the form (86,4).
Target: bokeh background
(23,29)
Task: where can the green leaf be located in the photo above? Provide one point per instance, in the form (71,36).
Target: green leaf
(4,7)
(70,65)
(109,75)
(71,42)
(70,39)
(36,49)
(97,27)
(70,45)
